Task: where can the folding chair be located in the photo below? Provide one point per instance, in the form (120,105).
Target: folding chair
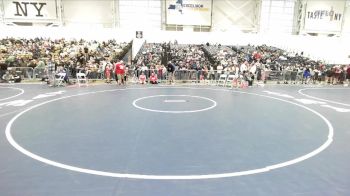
(222,80)
(82,79)
(59,79)
(230,80)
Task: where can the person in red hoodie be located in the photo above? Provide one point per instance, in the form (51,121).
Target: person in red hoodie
(153,78)
(120,72)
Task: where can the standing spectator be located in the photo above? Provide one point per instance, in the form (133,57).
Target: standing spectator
(100,71)
(108,70)
(144,69)
(337,74)
(170,71)
(286,72)
(211,73)
(159,70)
(306,76)
(120,71)
(316,76)
(126,74)
(329,75)
(219,71)
(348,74)
(244,67)
(164,72)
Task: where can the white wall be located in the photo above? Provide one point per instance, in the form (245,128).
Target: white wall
(329,49)
(82,13)
(87,33)
(236,14)
(1,13)
(346,25)
(140,14)
(277,16)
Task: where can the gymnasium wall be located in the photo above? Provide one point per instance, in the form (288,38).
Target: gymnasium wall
(120,19)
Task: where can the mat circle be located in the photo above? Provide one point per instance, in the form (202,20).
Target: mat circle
(214,104)
(313,153)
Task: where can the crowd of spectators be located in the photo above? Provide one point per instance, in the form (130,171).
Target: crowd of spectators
(247,62)
(189,62)
(73,56)
(266,62)
(151,59)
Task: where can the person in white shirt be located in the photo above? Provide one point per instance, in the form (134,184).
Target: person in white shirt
(219,69)
(144,68)
(243,67)
(253,68)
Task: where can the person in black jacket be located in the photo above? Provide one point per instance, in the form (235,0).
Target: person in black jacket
(170,71)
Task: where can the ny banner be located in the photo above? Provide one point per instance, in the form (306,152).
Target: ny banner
(30,9)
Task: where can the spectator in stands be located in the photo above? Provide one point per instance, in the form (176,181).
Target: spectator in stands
(252,59)
(38,52)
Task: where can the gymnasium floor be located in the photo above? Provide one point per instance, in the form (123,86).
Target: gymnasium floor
(174,140)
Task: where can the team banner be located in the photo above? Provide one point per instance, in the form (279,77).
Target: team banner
(324,16)
(189,12)
(30,9)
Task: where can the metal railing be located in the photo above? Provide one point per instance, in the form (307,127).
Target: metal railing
(39,73)
(23,72)
(180,76)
